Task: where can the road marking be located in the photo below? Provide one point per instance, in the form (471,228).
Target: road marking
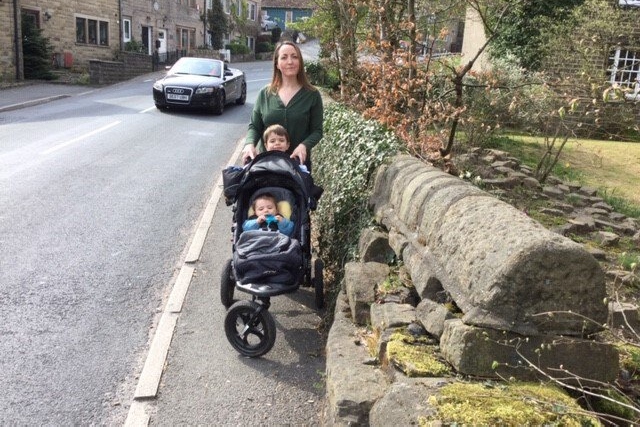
(147,110)
(154,365)
(80,138)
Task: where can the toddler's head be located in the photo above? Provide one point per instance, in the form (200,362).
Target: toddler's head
(265,204)
(276,138)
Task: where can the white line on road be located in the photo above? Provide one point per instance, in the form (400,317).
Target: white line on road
(147,110)
(80,138)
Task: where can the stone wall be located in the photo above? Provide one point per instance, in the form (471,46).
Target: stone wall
(109,72)
(485,280)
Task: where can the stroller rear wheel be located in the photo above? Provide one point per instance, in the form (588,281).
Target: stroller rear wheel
(318,282)
(227,285)
(250,328)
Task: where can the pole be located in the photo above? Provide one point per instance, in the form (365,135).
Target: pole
(17,26)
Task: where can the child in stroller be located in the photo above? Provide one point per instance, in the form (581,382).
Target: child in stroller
(267,263)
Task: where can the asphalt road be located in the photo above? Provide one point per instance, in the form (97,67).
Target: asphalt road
(100,194)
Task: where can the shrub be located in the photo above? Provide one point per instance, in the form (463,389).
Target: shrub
(238,49)
(323,76)
(344,165)
(264,47)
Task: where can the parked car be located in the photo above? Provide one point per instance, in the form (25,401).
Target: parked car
(268,24)
(200,83)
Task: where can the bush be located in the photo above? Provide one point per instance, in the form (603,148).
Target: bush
(344,165)
(264,47)
(134,46)
(238,49)
(320,75)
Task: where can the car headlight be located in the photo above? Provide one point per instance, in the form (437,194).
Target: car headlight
(157,86)
(202,90)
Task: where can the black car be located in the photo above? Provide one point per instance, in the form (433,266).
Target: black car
(201,83)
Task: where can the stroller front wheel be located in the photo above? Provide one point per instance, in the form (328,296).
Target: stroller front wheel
(250,328)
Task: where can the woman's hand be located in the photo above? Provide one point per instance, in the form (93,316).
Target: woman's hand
(300,153)
(248,153)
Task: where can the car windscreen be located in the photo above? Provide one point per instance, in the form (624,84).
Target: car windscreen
(202,68)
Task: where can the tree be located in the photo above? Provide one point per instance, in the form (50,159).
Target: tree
(36,51)
(217,24)
(522,31)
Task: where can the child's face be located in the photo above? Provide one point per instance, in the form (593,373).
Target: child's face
(277,143)
(265,207)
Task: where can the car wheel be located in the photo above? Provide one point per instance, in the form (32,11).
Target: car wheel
(243,94)
(220,101)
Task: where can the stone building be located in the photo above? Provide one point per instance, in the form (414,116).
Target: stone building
(80,31)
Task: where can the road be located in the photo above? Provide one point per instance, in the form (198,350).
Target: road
(99,197)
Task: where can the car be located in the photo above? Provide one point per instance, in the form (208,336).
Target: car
(200,83)
(268,24)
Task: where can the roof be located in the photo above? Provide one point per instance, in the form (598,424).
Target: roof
(288,4)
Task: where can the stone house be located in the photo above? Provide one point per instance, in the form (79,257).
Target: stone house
(614,58)
(99,29)
(286,11)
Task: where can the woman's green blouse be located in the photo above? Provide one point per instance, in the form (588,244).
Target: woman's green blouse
(302,118)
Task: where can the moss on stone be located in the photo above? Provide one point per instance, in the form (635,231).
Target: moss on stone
(513,404)
(415,356)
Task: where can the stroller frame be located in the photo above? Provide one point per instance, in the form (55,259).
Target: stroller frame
(249,326)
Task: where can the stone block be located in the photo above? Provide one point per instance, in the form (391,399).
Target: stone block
(373,246)
(392,315)
(360,282)
(473,351)
(405,402)
(352,385)
(432,316)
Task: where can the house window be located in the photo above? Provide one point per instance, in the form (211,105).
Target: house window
(225,6)
(126,30)
(92,31)
(186,38)
(624,70)
(251,42)
(288,16)
(252,12)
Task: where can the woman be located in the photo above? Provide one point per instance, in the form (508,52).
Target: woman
(291,101)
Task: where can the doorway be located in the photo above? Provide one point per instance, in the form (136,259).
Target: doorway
(161,45)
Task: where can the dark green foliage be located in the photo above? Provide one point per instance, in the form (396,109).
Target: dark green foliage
(238,48)
(134,46)
(323,76)
(522,31)
(36,51)
(275,35)
(217,24)
(264,47)
(344,164)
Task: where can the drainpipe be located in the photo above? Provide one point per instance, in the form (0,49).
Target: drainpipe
(17,42)
(205,22)
(120,24)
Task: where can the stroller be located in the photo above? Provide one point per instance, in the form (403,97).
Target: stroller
(267,263)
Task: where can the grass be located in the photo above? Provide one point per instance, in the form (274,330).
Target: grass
(613,167)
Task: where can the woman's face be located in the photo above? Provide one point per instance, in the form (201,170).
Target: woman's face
(288,61)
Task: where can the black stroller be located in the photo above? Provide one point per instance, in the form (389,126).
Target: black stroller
(267,263)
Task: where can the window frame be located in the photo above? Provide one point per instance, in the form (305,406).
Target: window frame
(252,11)
(89,30)
(623,70)
(126,30)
